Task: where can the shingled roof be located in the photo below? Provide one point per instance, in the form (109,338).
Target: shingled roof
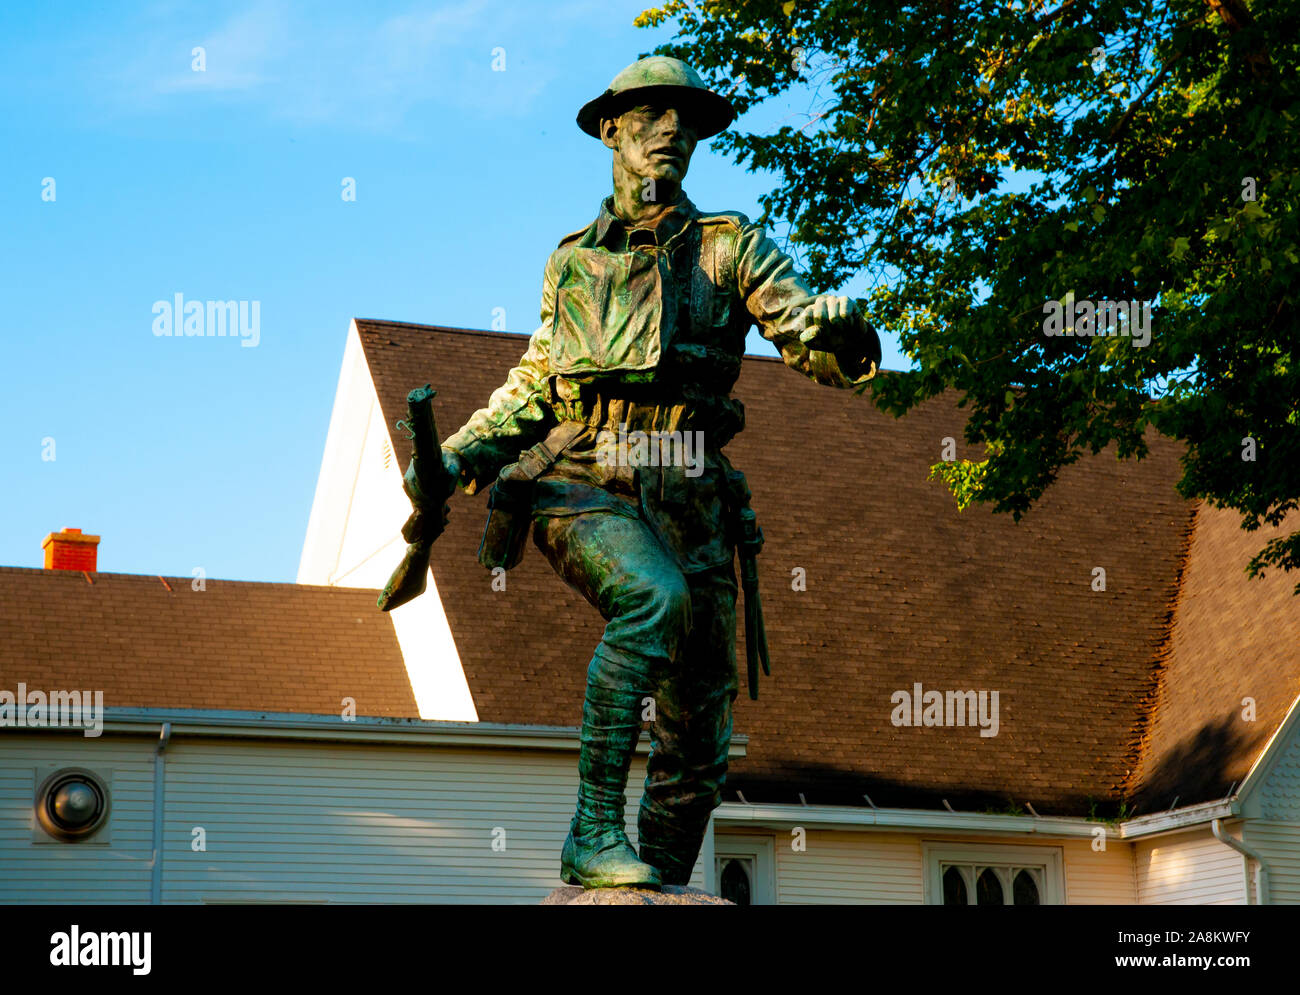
(156,642)
(903,589)
(1229,669)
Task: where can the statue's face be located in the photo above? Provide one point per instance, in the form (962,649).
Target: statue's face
(652,139)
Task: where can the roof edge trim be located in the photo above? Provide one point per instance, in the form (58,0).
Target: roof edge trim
(309,726)
(740,814)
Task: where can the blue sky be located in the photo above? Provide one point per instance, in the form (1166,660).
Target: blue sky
(226,184)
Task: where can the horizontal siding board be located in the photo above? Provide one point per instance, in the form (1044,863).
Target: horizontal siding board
(339,822)
(1279,794)
(1190,868)
(1099,877)
(51,872)
(849,868)
(286,819)
(881,868)
(1278,843)
(365,823)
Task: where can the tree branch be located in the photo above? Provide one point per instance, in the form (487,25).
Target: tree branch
(1122,123)
(1236,15)
(1052,15)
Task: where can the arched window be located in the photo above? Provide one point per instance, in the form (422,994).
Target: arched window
(983,874)
(735,882)
(1025,888)
(954,888)
(988,888)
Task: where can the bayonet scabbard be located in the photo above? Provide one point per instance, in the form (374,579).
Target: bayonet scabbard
(749,543)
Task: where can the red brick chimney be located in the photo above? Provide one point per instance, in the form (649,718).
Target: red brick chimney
(70,550)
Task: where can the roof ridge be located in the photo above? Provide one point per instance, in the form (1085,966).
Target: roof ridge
(418,326)
(180,578)
(492,333)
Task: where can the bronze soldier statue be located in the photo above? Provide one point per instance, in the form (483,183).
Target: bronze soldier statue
(643,323)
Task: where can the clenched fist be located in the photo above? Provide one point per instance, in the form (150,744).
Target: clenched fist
(832,324)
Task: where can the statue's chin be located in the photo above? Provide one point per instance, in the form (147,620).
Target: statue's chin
(667,174)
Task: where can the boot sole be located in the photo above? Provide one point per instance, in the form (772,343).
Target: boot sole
(570,876)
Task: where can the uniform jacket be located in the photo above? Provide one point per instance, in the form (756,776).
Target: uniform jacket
(643,329)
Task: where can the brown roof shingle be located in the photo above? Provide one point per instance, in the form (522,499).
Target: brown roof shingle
(234,645)
(1232,639)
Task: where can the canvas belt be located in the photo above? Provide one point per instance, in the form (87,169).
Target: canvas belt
(650,407)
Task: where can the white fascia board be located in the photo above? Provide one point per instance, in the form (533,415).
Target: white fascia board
(1180,818)
(306,726)
(738,814)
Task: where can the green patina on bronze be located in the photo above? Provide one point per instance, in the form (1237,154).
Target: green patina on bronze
(643,323)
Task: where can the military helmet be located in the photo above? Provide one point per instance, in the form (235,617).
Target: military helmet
(666,77)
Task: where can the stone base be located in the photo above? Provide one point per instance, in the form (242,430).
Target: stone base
(671,895)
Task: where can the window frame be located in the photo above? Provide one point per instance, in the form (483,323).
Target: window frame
(1049,859)
(761,850)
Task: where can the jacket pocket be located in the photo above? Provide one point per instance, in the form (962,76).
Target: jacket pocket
(713,299)
(609,312)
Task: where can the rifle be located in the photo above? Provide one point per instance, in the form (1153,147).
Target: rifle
(428,485)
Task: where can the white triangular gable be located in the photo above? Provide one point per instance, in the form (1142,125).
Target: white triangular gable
(354,537)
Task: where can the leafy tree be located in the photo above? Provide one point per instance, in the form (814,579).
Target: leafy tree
(979,160)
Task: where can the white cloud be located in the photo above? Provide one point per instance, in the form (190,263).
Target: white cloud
(355,69)
(240,55)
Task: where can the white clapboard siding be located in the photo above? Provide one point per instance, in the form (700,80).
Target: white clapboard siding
(1275,833)
(76,873)
(1099,877)
(351,823)
(877,868)
(1278,843)
(299,821)
(1279,793)
(1189,868)
(848,868)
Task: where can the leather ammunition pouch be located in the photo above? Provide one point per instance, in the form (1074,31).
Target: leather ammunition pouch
(510,503)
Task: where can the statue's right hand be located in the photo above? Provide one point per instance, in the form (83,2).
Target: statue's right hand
(420,526)
(455,468)
(419,495)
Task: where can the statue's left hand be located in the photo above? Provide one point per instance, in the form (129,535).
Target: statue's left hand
(832,324)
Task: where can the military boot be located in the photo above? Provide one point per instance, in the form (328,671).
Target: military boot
(670,844)
(684,780)
(597,853)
